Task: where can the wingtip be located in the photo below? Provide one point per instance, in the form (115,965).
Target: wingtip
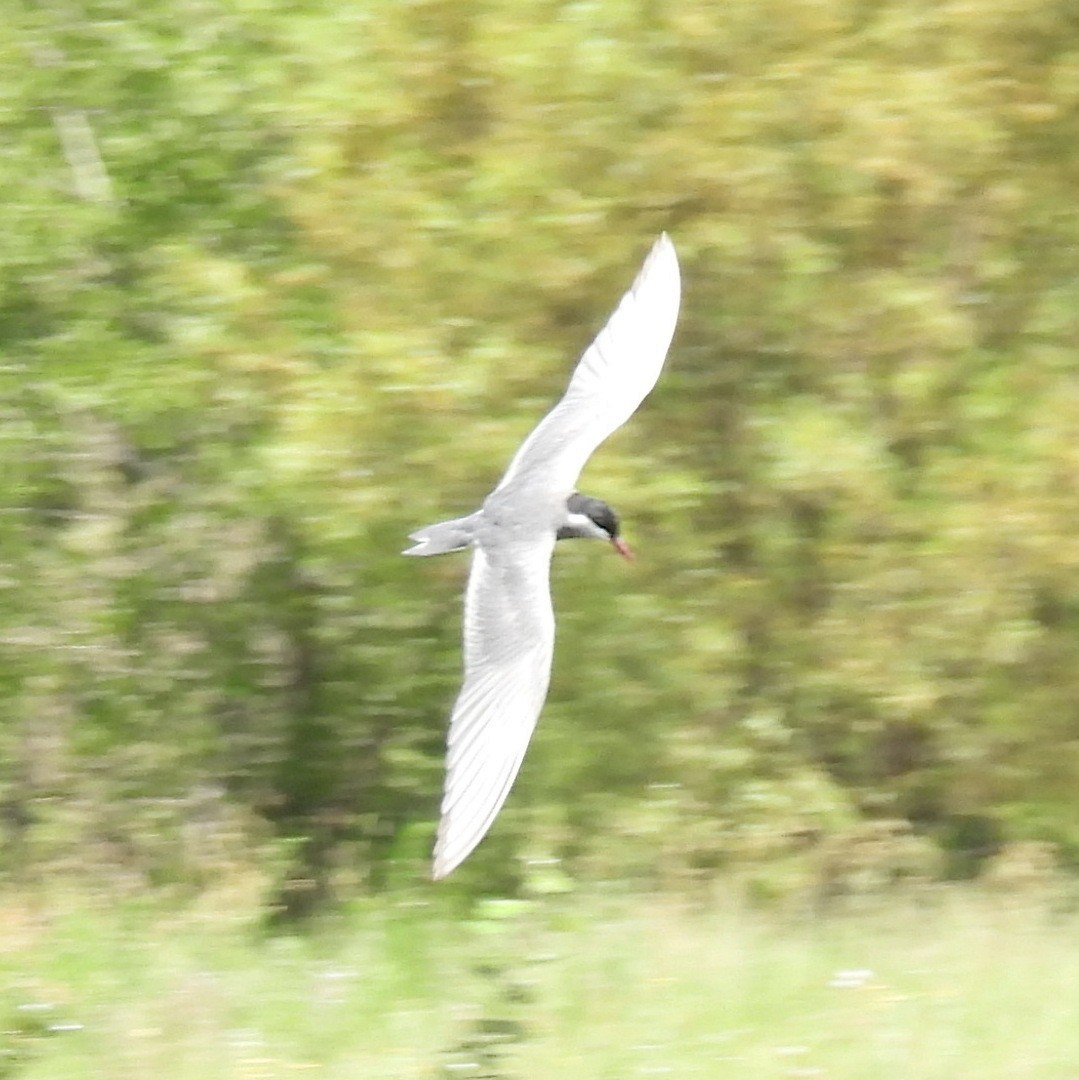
(663,250)
(664,243)
(442,866)
(661,273)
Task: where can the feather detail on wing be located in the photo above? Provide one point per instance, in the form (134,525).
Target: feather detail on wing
(509,638)
(613,377)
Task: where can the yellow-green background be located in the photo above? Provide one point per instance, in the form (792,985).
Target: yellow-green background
(280,282)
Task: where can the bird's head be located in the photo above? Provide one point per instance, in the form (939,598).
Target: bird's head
(589,517)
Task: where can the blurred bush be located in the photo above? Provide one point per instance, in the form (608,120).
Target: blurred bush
(278,285)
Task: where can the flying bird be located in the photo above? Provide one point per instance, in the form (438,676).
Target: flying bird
(508,619)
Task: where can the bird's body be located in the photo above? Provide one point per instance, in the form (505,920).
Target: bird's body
(509,621)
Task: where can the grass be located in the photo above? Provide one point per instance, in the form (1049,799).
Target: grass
(959,985)
(958,989)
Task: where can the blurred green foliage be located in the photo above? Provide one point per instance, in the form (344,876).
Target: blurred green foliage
(281,282)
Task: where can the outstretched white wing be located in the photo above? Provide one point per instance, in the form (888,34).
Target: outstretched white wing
(613,377)
(508,641)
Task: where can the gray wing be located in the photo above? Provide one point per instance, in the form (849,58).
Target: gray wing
(508,641)
(613,377)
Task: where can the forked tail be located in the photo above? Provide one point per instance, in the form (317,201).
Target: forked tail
(443,536)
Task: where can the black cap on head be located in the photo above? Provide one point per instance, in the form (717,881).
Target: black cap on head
(596,509)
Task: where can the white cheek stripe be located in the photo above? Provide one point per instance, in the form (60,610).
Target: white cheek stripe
(583,523)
